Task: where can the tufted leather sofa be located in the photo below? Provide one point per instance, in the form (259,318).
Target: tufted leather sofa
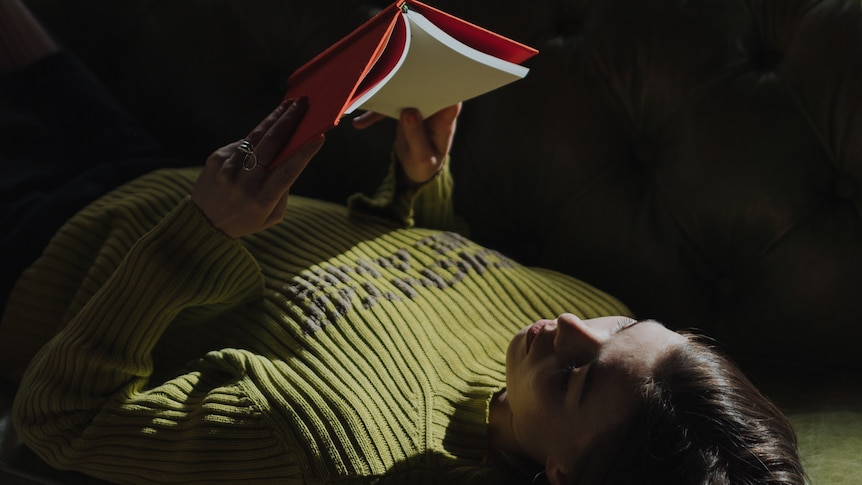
(699,159)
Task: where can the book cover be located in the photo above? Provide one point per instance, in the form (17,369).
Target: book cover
(408,55)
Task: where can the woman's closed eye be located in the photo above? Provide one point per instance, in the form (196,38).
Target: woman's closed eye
(566,376)
(569,370)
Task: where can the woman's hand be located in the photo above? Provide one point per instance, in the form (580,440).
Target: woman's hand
(236,191)
(421,145)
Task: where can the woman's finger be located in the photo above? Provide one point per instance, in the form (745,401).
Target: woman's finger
(279,181)
(279,133)
(277,213)
(367,119)
(236,159)
(412,130)
(257,133)
(269,144)
(441,128)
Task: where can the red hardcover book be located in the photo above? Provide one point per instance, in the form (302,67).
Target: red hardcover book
(408,55)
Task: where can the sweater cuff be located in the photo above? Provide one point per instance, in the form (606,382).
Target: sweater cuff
(428,204)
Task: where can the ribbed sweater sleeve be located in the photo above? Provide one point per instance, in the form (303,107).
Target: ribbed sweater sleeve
(85,396)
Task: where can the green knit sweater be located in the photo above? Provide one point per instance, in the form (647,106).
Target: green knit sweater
(337,346)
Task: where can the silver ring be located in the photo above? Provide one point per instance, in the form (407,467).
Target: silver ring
(249,159)
(249,162)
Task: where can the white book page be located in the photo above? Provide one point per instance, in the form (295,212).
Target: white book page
(386,79)
(437,71)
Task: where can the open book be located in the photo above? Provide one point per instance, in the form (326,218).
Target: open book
(409,55)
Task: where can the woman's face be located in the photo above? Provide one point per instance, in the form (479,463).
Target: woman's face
(568,381)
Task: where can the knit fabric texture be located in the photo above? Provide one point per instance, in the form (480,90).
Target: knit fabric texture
(338,346)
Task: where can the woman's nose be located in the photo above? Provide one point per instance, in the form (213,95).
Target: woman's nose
(576,336)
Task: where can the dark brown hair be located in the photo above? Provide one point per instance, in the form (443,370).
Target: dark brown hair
(701,421)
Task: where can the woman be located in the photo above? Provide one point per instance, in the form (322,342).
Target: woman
(217,337)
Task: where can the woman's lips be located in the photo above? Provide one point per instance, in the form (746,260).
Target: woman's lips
(534,330)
